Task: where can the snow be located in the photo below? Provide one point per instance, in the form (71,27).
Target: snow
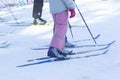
(102,17)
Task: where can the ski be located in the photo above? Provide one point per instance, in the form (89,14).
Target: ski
(2,20)
(94,45)
(31,24)
(81,52)
(2,34)
(77,57)
(98,49)
(67,58)
(4,44)
(96,37)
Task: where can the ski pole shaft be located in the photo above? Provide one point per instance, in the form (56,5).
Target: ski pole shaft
(8,7)
(70,27)
(85,23)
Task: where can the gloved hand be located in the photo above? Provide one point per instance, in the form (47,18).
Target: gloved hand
(72,13)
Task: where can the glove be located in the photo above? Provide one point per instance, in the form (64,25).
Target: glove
(72,13)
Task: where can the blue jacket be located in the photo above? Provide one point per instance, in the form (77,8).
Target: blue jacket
(57,6)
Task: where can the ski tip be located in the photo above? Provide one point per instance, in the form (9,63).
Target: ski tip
(105,51)
(112,42)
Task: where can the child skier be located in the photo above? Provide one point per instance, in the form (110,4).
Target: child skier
(59,10)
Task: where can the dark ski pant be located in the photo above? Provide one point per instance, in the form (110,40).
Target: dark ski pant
(37,9)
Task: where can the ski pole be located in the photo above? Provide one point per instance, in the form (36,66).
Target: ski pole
(70,27)
(85,23)
(10,11)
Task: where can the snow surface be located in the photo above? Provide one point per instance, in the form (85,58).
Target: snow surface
(102,17)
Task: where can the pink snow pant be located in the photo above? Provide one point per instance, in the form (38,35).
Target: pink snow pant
(60,25)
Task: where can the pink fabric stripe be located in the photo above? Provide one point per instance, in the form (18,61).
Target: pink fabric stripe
(61,22)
